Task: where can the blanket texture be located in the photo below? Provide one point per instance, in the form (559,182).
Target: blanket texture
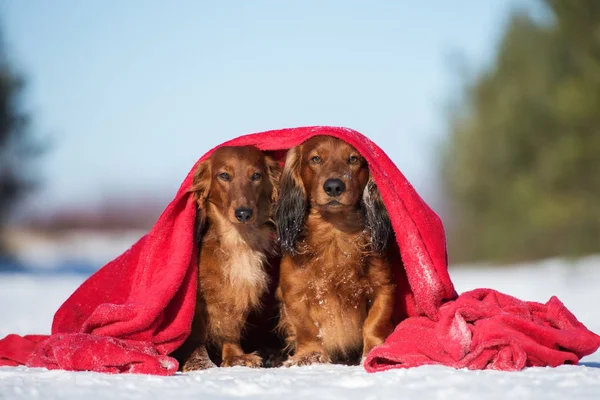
(133,313)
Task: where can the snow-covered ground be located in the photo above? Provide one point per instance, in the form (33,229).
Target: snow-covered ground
(27,303)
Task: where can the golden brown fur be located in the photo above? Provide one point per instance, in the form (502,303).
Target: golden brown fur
(336,286)
(234,189)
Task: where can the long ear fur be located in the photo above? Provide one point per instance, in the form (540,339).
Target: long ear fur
(377,218)
(274,172)
(291,207)
(201,189)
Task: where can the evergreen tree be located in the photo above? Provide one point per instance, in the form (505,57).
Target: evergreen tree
(522,163)
(17,146)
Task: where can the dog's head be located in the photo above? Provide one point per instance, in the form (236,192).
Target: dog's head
(328,175)
(241,182)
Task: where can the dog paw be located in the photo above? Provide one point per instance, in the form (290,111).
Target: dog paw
(197,364)
(314,357)
(245,360)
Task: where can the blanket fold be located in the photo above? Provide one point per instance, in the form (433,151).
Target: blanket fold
(135,311)
(485,329)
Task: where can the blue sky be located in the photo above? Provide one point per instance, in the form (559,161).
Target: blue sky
(132,92)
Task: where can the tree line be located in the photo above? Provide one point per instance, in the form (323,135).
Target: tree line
(521,165)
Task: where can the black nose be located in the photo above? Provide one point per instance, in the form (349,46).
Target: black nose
(243,214)
(334,187)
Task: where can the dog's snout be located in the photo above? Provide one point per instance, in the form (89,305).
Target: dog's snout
(243,214)
(334,187)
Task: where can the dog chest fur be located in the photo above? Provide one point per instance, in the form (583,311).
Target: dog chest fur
(243,263)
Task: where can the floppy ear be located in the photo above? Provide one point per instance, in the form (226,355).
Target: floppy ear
(200,189)
(376,216)
(274,172)
(291,207)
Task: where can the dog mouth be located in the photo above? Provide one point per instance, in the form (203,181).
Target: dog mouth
(332,205)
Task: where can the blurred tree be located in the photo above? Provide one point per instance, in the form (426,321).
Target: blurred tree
(17,146)
(521,166)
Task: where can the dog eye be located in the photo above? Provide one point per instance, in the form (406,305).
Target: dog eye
(316,160)
(256,176)
(224,176)
(353,160)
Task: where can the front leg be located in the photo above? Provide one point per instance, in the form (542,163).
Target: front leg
(309,349)
(233,355)
(226,322)
(296,311)
(195,357)
(378,324)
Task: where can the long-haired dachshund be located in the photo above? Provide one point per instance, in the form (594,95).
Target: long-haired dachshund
(235,190)
(336,286)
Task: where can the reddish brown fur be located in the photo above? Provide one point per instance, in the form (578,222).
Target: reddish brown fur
(232,278)
(336,293)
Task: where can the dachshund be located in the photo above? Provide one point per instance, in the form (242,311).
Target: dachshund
(235,190)
(336,289)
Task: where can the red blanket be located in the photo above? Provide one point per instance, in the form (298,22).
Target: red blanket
(135,311)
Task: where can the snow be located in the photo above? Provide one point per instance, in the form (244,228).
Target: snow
(29,300)
(314,382)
